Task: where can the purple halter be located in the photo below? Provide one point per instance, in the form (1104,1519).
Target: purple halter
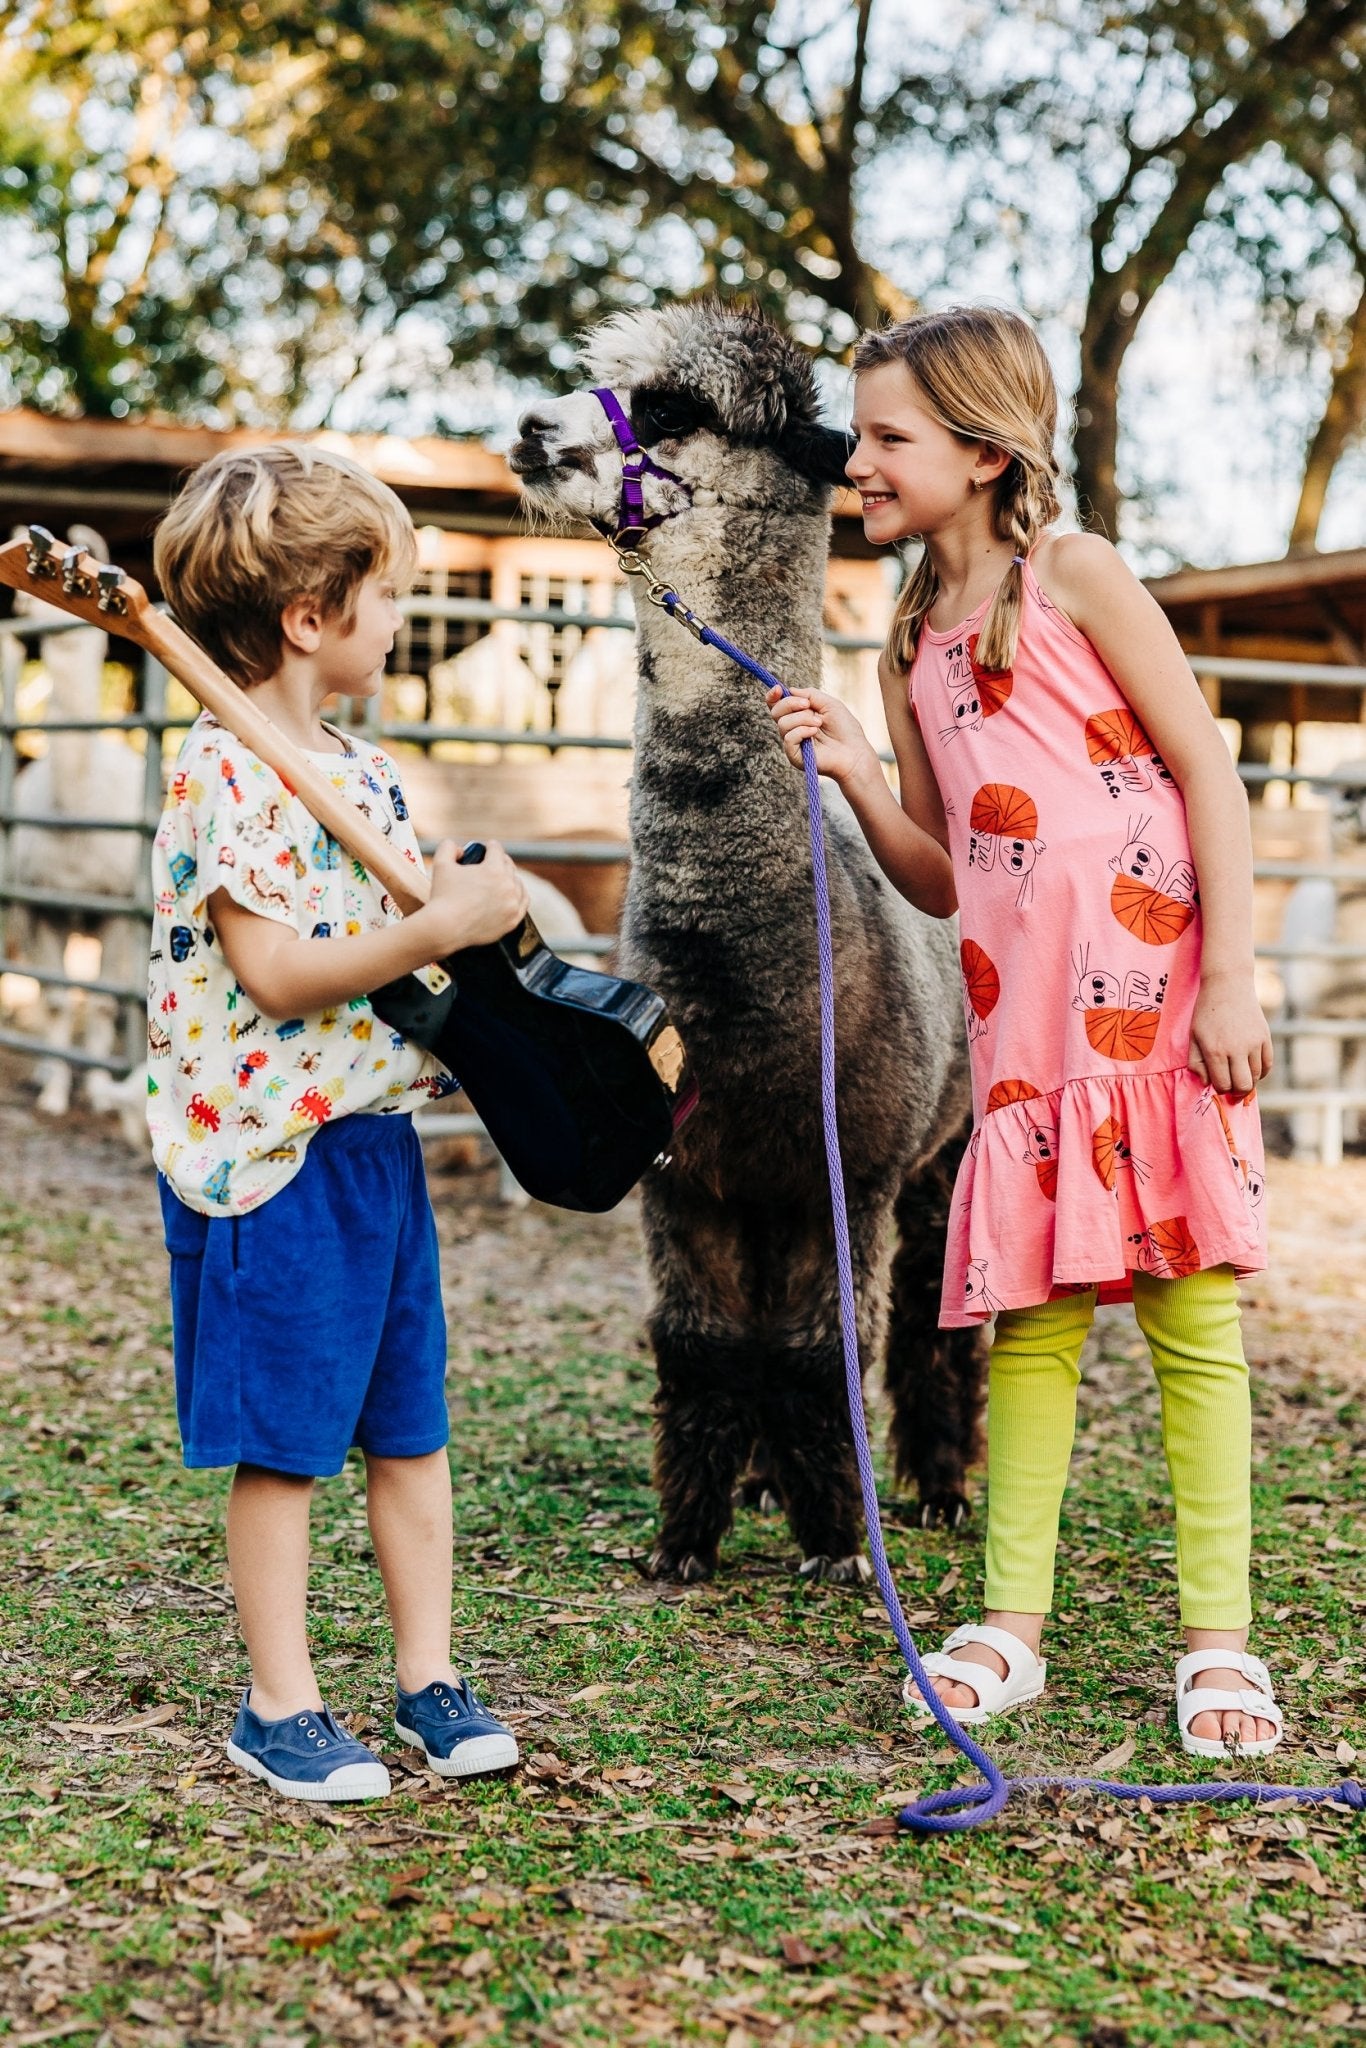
(633,521)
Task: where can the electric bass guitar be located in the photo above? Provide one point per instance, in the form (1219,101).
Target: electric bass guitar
(580,1079)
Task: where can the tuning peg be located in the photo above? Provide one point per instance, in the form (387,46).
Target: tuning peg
(42,554)
(76,581)
(109,581)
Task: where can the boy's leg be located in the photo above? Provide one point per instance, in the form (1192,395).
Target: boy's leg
(1031,1417)
(268,1560)
(409,1505)
(1193,1331)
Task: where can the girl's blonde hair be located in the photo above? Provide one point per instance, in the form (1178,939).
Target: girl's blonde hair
(983,374)
(256,528)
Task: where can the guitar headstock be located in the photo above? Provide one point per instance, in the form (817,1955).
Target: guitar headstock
(73,581)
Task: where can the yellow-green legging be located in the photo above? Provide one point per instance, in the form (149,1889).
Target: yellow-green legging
(1192,1328)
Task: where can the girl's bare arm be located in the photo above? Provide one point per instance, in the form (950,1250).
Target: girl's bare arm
(909,840)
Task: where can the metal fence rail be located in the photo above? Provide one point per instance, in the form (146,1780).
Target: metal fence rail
(152,720)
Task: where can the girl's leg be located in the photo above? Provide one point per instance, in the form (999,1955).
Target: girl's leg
(1031,1417)
(268,1561)
(409,1505)
(1192,1328)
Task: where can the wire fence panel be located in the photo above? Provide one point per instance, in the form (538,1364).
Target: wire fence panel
(1337,1105)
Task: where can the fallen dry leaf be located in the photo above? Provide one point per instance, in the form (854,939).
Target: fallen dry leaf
(1114,1759)
(797,1954)
(986,1964)
(478,1964)
(310,1938)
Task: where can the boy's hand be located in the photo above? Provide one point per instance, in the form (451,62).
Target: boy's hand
(843,751)
(472,906)
(1230,1043)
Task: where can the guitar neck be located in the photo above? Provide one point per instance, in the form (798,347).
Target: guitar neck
(234,709)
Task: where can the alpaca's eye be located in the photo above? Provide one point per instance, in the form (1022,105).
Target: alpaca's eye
(664,416)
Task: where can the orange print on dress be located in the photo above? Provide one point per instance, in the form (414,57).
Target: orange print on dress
(1004,824)
(1154,902)
(1168,1249)
(994,685)
(1121,1017)
(1003,1093)
(1110,1151)
(1128,762)
(1041,1150)
(1249,1179)
(975,693)
(981,987)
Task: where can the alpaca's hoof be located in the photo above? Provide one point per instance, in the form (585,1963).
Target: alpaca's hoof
(685,1566)
(854,1570)
(945,1511)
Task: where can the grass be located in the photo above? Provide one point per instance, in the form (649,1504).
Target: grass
(687,1853)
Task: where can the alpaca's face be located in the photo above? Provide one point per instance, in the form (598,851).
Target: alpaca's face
(723,400)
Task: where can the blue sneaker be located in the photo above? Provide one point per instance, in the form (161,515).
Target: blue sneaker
(459,1734)
(306,1756)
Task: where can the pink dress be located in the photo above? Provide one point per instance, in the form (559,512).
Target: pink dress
(1096,1150)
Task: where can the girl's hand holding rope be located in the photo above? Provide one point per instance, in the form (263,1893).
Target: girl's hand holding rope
(843,750)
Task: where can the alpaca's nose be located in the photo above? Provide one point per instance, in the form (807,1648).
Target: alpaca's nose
(528,452)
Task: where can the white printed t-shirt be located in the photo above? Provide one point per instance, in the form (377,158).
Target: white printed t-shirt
(233,1095)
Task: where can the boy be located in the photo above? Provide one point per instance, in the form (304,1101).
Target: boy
(305,1292)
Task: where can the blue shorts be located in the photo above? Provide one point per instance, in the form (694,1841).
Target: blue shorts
(314,1322)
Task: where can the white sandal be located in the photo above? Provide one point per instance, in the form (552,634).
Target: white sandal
(1192,1699)
(1024,1679)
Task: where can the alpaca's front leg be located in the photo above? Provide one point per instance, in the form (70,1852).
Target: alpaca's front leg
(805,1419)
(704,1431)
(804,1411)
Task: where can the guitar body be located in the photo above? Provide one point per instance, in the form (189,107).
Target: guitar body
(579,1078)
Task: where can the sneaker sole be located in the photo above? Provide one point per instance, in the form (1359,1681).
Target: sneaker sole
(481,1753)
(364,1781)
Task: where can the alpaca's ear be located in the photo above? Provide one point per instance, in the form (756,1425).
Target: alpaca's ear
(815,451)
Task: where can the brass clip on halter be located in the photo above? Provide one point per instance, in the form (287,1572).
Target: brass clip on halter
(662,594)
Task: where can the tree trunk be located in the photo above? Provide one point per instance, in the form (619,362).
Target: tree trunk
(1199,156)
(1344,416)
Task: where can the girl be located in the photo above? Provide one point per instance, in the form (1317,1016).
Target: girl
(1064,786)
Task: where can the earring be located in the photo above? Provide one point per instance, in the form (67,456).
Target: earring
(977,483)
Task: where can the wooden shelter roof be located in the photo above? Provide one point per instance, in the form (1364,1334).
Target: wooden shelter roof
(1302,608)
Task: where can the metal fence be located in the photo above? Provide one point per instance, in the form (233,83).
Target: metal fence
(1330,1105)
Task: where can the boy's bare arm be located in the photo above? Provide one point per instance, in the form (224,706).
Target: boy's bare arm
(286,976)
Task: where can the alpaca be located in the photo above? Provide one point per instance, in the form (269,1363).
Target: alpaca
(82,774)
(718,917)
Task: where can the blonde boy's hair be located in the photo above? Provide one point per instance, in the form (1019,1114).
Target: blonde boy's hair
(982,373)
(254,530)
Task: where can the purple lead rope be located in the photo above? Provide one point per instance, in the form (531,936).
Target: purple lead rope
(940,1813)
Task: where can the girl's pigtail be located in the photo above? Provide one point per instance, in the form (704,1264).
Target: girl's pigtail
(917,595)
(1027,503)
